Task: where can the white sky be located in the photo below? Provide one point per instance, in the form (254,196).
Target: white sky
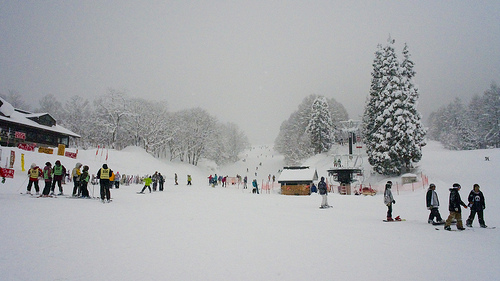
(246,62)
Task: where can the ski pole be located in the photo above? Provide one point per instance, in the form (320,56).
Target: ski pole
(22,184)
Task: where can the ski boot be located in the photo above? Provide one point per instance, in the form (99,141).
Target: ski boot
(484,225)
(468,223)
(447,227)
(390,219)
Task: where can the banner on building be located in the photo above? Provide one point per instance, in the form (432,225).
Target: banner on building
(20,135)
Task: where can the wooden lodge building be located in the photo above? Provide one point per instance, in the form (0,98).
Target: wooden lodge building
(297,180)
(21,127)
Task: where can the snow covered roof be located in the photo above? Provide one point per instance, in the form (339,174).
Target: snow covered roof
(298,174)
(9,114)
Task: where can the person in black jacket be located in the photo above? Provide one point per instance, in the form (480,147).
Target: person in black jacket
(476,205)
(323,191)
(433,205)
(455,209)
(103,175)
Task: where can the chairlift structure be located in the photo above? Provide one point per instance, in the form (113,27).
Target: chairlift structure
(348,168)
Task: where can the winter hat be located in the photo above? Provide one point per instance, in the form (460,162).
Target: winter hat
(48,164)
(105,166)
(322,178)
(33,165)
(475,185)
(78,165)
(432,185)
(85,168)
(456,185)
(58,162)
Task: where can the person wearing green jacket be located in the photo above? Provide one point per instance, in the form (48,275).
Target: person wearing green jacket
(147,183)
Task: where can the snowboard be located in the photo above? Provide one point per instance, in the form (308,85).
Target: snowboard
(450,229)
(321,207)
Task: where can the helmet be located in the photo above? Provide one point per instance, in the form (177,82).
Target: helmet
(456,185)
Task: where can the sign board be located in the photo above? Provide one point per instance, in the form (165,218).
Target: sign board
(20,135)
(7,173)
(46,150)
(60,149)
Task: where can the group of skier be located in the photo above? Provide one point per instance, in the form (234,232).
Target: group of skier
(476,203)
(51,175)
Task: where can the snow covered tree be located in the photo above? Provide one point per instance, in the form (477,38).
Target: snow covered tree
(320,127)
(393,130)
(293,140)
(111,110)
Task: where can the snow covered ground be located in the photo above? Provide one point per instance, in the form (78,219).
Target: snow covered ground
(203,233)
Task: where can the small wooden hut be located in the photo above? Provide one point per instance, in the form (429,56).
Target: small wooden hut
(297,180)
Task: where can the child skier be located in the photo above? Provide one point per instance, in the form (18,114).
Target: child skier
(84,181)
(75,174)
(476,205)
(389,200)
(34,173)
(47,176)
(433,205)
(147,183)
(454,207)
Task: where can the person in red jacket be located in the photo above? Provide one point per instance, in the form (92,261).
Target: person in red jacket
(35,172)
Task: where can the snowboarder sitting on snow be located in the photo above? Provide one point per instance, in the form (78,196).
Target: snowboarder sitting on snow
(389,200)
(34,173)
(147,183)
(476,205)
(323,191)
(454,207)
(433,205)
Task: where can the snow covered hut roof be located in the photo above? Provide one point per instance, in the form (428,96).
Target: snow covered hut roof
(298,174)
(9,114)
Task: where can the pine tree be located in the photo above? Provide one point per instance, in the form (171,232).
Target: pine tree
(393,130)
(320,126)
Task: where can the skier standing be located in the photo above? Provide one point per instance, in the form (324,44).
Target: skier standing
(59,172)
(34,173)
(84,181)
(476,205)
(104,174)
(117,180)
(75,174)
(189,180)
(433,205)
(256,186)
(155,180)
(147,183)
(175,178)
(323,191)
(454,207)
(47,175)
(161,180)
(389,200)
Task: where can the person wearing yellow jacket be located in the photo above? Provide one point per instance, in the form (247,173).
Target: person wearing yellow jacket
(75,174)
(34,173)
(103,175)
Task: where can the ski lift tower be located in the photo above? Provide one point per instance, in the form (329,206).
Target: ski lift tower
(348,168)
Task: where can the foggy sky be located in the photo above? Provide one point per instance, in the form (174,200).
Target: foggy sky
(247,62)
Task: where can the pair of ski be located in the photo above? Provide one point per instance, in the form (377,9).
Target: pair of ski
(39,196)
